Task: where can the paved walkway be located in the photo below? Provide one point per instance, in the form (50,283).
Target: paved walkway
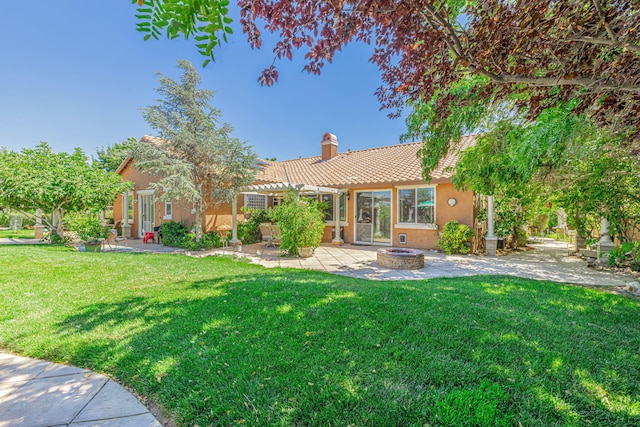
(34,393)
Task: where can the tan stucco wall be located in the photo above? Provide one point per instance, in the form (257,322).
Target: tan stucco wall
(142,181)
(416,238)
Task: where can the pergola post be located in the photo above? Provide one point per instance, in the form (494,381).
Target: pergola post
(605,244)
(337,240)
(491,241)
(234,222)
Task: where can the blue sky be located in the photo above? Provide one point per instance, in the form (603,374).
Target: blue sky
(77,73)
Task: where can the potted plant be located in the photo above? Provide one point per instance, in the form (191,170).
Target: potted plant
(90,231)
(301,223)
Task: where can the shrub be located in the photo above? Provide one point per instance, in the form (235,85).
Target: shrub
(88,227)
(626,255)
(249,231)
(209,240)
(174,234)
(177,235)
(454,238)
(301,223)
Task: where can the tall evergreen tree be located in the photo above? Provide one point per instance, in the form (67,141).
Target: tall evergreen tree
(195,157)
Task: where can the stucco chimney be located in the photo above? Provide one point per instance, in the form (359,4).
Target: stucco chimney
(329,146)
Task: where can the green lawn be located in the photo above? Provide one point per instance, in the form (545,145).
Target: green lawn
(20,234)
(221,342)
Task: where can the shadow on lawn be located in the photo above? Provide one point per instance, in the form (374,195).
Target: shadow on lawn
(302,348)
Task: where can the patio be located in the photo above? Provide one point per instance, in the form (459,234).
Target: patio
(546,260)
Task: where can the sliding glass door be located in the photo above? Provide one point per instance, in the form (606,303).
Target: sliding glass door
(147,211)
(373,217)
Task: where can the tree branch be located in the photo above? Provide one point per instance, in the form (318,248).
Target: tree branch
(606,42)
(612,34)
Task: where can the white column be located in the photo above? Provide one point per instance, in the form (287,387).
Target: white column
(126,227)
(490,226)
(604,231)
(605,244)
(491,241)
(38,216)
(234,222)
(336,217)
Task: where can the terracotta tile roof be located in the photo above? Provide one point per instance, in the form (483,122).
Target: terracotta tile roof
(382,165)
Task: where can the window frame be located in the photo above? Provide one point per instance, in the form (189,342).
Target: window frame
(168,204)
(247,203)
(332,221)
(415,224)
(128,208)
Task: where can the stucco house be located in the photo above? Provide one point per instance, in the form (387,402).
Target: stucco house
(376,196)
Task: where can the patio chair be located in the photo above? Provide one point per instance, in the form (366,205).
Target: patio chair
(275,234)
(267,234)
(157,234)
(114,239)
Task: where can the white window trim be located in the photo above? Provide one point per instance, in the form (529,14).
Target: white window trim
(128,197)
(264,196)
(343,223)
(169,216)
(417,225)
(140,194)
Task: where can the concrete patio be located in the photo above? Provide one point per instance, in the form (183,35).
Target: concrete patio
(546,260)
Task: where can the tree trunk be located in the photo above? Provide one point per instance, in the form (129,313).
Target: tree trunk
(198,222)
(58,214)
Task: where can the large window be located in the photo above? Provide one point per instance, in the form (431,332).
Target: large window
(417,205)
(127,207)
(255,201)
(328,199)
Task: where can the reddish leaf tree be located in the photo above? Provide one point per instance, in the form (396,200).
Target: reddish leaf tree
(537,52)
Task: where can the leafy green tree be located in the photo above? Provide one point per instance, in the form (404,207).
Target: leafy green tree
(112,156)
(561,158)
(58,183)
(195,158)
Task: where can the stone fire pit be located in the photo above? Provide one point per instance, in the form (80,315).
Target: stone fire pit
(401,258)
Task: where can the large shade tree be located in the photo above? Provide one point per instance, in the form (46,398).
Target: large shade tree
(195,157)
(447,58)
(57,183)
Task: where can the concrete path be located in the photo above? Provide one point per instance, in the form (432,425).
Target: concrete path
(34,393)
(16,241)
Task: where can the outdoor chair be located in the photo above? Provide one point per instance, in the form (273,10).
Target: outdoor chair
(267,234)
(113,240)
(157,234)
(275,234)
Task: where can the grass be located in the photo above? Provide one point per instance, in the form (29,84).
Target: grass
(20,234)
(216,341)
